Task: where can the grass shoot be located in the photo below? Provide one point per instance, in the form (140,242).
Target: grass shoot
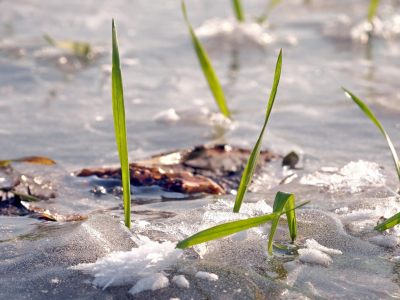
(208,69)
(271,5)
(253,160)
(238,8)
(120,125)
(226,229)
(394,220)
(372,10)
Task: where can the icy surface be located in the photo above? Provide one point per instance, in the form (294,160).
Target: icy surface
(351,178)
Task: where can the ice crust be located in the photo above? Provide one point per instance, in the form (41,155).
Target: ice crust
(350,178)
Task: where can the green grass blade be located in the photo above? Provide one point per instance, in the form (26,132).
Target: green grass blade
(268,10)
(253,160)
(366,110)
(372,10)
(283,201)
(208,69)
(226,229)
(26,197)
(392,221)
(238,8)
(119,124)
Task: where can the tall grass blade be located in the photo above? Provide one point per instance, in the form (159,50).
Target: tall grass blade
(38,160)
(253,160)
(372,10)
(366,110)
(238,8)
(268,10)
(389,223)
(283,201)
(226,229)
(119,124)
(208,69)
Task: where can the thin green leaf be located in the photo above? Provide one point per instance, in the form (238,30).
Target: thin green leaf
(268,10)
(238,8)
(392,221)
(283,201)
(372,10)
(38,160)
(366,110)
(226,229)
(77,48)
(207,68)
(26,197)
(253,160)
(119,124)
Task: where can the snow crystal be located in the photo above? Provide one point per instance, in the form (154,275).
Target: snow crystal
(119,268)
(153,282)
(207,276)
(350,178)
(383,240)
(181,281)
(314,256)
(313,244)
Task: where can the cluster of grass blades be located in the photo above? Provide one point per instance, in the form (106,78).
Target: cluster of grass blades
(239,12)
(284,202)
(253,160)
(396,218)
(207,67)
(119,124)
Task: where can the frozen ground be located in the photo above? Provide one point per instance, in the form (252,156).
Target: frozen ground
(53,105)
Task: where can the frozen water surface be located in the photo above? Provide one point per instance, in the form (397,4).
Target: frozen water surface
(56,105)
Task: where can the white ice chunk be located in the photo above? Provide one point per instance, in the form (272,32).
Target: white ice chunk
(181,281)
(207,276)
(168,116)
(396,259)
(153,282)
(314,256)
(383,240)
(119,268)
(313,244)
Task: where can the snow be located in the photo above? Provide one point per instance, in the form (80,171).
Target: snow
(314,256)
(181,281)
(313,244)
(153,282)
(207,276)
(119,268)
